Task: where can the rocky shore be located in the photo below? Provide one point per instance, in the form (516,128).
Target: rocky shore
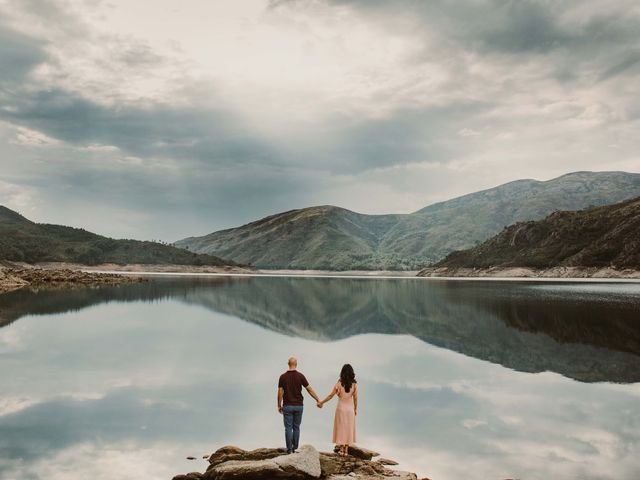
(13,278)
(233,463)
(156,268)
(525,272)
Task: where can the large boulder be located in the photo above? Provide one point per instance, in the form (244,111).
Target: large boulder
(189,476)
(230,452)
(302,465)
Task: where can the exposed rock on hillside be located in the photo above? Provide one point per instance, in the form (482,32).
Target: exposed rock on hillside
(233,463)
(593,240)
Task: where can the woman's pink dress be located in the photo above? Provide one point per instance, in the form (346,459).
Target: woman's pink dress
(344,423)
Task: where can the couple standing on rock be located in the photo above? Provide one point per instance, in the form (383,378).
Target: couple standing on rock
(290,393)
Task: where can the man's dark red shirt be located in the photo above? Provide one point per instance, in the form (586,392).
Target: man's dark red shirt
(292,382)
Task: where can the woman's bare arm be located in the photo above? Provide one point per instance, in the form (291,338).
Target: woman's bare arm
(330,396)
(355,400)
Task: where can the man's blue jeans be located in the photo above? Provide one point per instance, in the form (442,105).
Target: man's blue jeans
(292,415)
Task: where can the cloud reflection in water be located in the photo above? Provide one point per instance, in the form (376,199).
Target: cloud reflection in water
(119,388)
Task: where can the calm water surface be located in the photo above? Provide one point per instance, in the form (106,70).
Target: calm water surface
(458,379)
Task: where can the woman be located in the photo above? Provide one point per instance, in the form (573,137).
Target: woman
(344,423)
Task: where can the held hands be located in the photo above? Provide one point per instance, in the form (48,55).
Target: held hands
(319,404)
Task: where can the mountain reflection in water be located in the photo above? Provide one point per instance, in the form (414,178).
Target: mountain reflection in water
(582,332)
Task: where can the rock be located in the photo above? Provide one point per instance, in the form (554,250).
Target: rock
(336,465)
(13,278)
(392,475)
(191,458)
(233,463)
(9,282)
(230,452)
(360,452)
(304,464)
(400,475)
(245,470)
(189,476)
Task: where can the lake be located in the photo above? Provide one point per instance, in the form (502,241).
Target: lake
(457,379)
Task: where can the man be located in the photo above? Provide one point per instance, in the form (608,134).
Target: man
(290,391)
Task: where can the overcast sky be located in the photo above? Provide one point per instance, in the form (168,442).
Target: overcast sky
(165,118)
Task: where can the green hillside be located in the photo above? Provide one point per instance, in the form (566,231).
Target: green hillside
(323,237)
(334,238)
(22,240)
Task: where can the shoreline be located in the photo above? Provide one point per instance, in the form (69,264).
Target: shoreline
(17,277)
(381,276)
(593,274)
(14,276)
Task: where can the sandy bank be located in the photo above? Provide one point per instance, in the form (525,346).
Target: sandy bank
(146,268)
(522,272)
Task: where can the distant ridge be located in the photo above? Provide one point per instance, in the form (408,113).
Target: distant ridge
(606,236)
(22,240)
(334,238)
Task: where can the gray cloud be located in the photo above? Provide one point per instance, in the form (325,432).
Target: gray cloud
(160,130)
(408,135)
(18,55)
(478,93)
(575,32)
(627,65)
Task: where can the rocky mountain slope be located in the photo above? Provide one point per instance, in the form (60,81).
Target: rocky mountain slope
(334,238)
(22,240)
(607,236)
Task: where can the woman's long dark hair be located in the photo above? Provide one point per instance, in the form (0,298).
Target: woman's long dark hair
(347,377)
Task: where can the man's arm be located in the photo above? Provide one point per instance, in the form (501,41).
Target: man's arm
(312,393)
(280,395)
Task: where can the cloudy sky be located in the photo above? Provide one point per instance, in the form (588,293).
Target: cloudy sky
(164,118)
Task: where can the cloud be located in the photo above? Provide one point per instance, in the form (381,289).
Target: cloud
(378,106)
(19,53)
(25,136)
(425,406)
(156,130)
(15,195)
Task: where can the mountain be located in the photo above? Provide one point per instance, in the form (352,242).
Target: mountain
(607,236)
(324,237)
(334,238)
(590,337)
(22,240)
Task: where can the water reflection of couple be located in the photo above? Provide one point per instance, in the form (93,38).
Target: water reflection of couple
(290,393)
